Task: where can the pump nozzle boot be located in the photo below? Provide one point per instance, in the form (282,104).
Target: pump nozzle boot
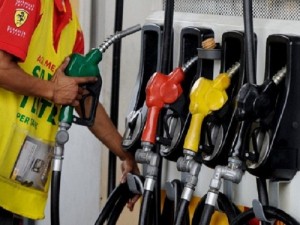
(275,141)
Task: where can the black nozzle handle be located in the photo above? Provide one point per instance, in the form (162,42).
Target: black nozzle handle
(117,36)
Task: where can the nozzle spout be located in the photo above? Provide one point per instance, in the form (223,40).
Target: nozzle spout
(189,63)
(117,36)
(232,70)
(278,77)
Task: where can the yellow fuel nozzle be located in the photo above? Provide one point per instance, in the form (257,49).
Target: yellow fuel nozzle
(206,96)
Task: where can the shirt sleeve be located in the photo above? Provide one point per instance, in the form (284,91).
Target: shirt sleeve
(17,24)
(79,44)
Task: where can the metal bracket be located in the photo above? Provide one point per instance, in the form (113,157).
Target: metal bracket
(259,212)
(135,183)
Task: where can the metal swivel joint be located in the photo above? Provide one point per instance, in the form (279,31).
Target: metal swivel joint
(192,167)
(62,137)
(151,160)
(232,172)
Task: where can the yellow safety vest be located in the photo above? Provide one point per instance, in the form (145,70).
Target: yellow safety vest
(29,124)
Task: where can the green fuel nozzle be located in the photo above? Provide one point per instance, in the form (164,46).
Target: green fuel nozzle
(87,66)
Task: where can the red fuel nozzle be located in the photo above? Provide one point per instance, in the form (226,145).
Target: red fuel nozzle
(160,90)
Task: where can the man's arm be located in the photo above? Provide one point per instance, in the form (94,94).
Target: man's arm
(107,133)
(61,90)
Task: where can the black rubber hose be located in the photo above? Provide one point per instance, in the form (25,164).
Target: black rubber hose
(181,212)
(117,210)
(249,42)
(167,37)
(145,208)
(171,204)
(168,212)
(198,211)
(165,65)
(270,212)
(178,187)
(55,192)
(111,201)
(207,213)
(230,209)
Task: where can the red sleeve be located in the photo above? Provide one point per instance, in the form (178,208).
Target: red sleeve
(18,21)
(79,44)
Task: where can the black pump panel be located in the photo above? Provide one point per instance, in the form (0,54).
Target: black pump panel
(279,158)
(150,62)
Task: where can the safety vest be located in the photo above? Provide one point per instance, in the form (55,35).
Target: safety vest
(29,124)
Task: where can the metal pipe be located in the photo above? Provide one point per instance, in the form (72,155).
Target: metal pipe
(114,107)
(167,37)
(249,42)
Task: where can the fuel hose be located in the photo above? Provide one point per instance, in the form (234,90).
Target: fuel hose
(55,188)
(225,205)
(111,201)
(145,208)
(182,212)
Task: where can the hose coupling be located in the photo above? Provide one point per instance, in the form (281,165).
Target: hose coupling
(145,154)
(233,172)
(184,163)
(192,169)
(212,198)
(149,158)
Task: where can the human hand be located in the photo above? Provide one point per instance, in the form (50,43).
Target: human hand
(129,165)
(66,89)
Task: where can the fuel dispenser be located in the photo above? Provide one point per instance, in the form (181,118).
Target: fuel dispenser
(78,66)
(246,113)
(255,103)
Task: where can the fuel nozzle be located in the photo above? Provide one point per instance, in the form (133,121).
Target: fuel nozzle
(190,169)
(206,96)
(162,89)
(257,101)
(84,66)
